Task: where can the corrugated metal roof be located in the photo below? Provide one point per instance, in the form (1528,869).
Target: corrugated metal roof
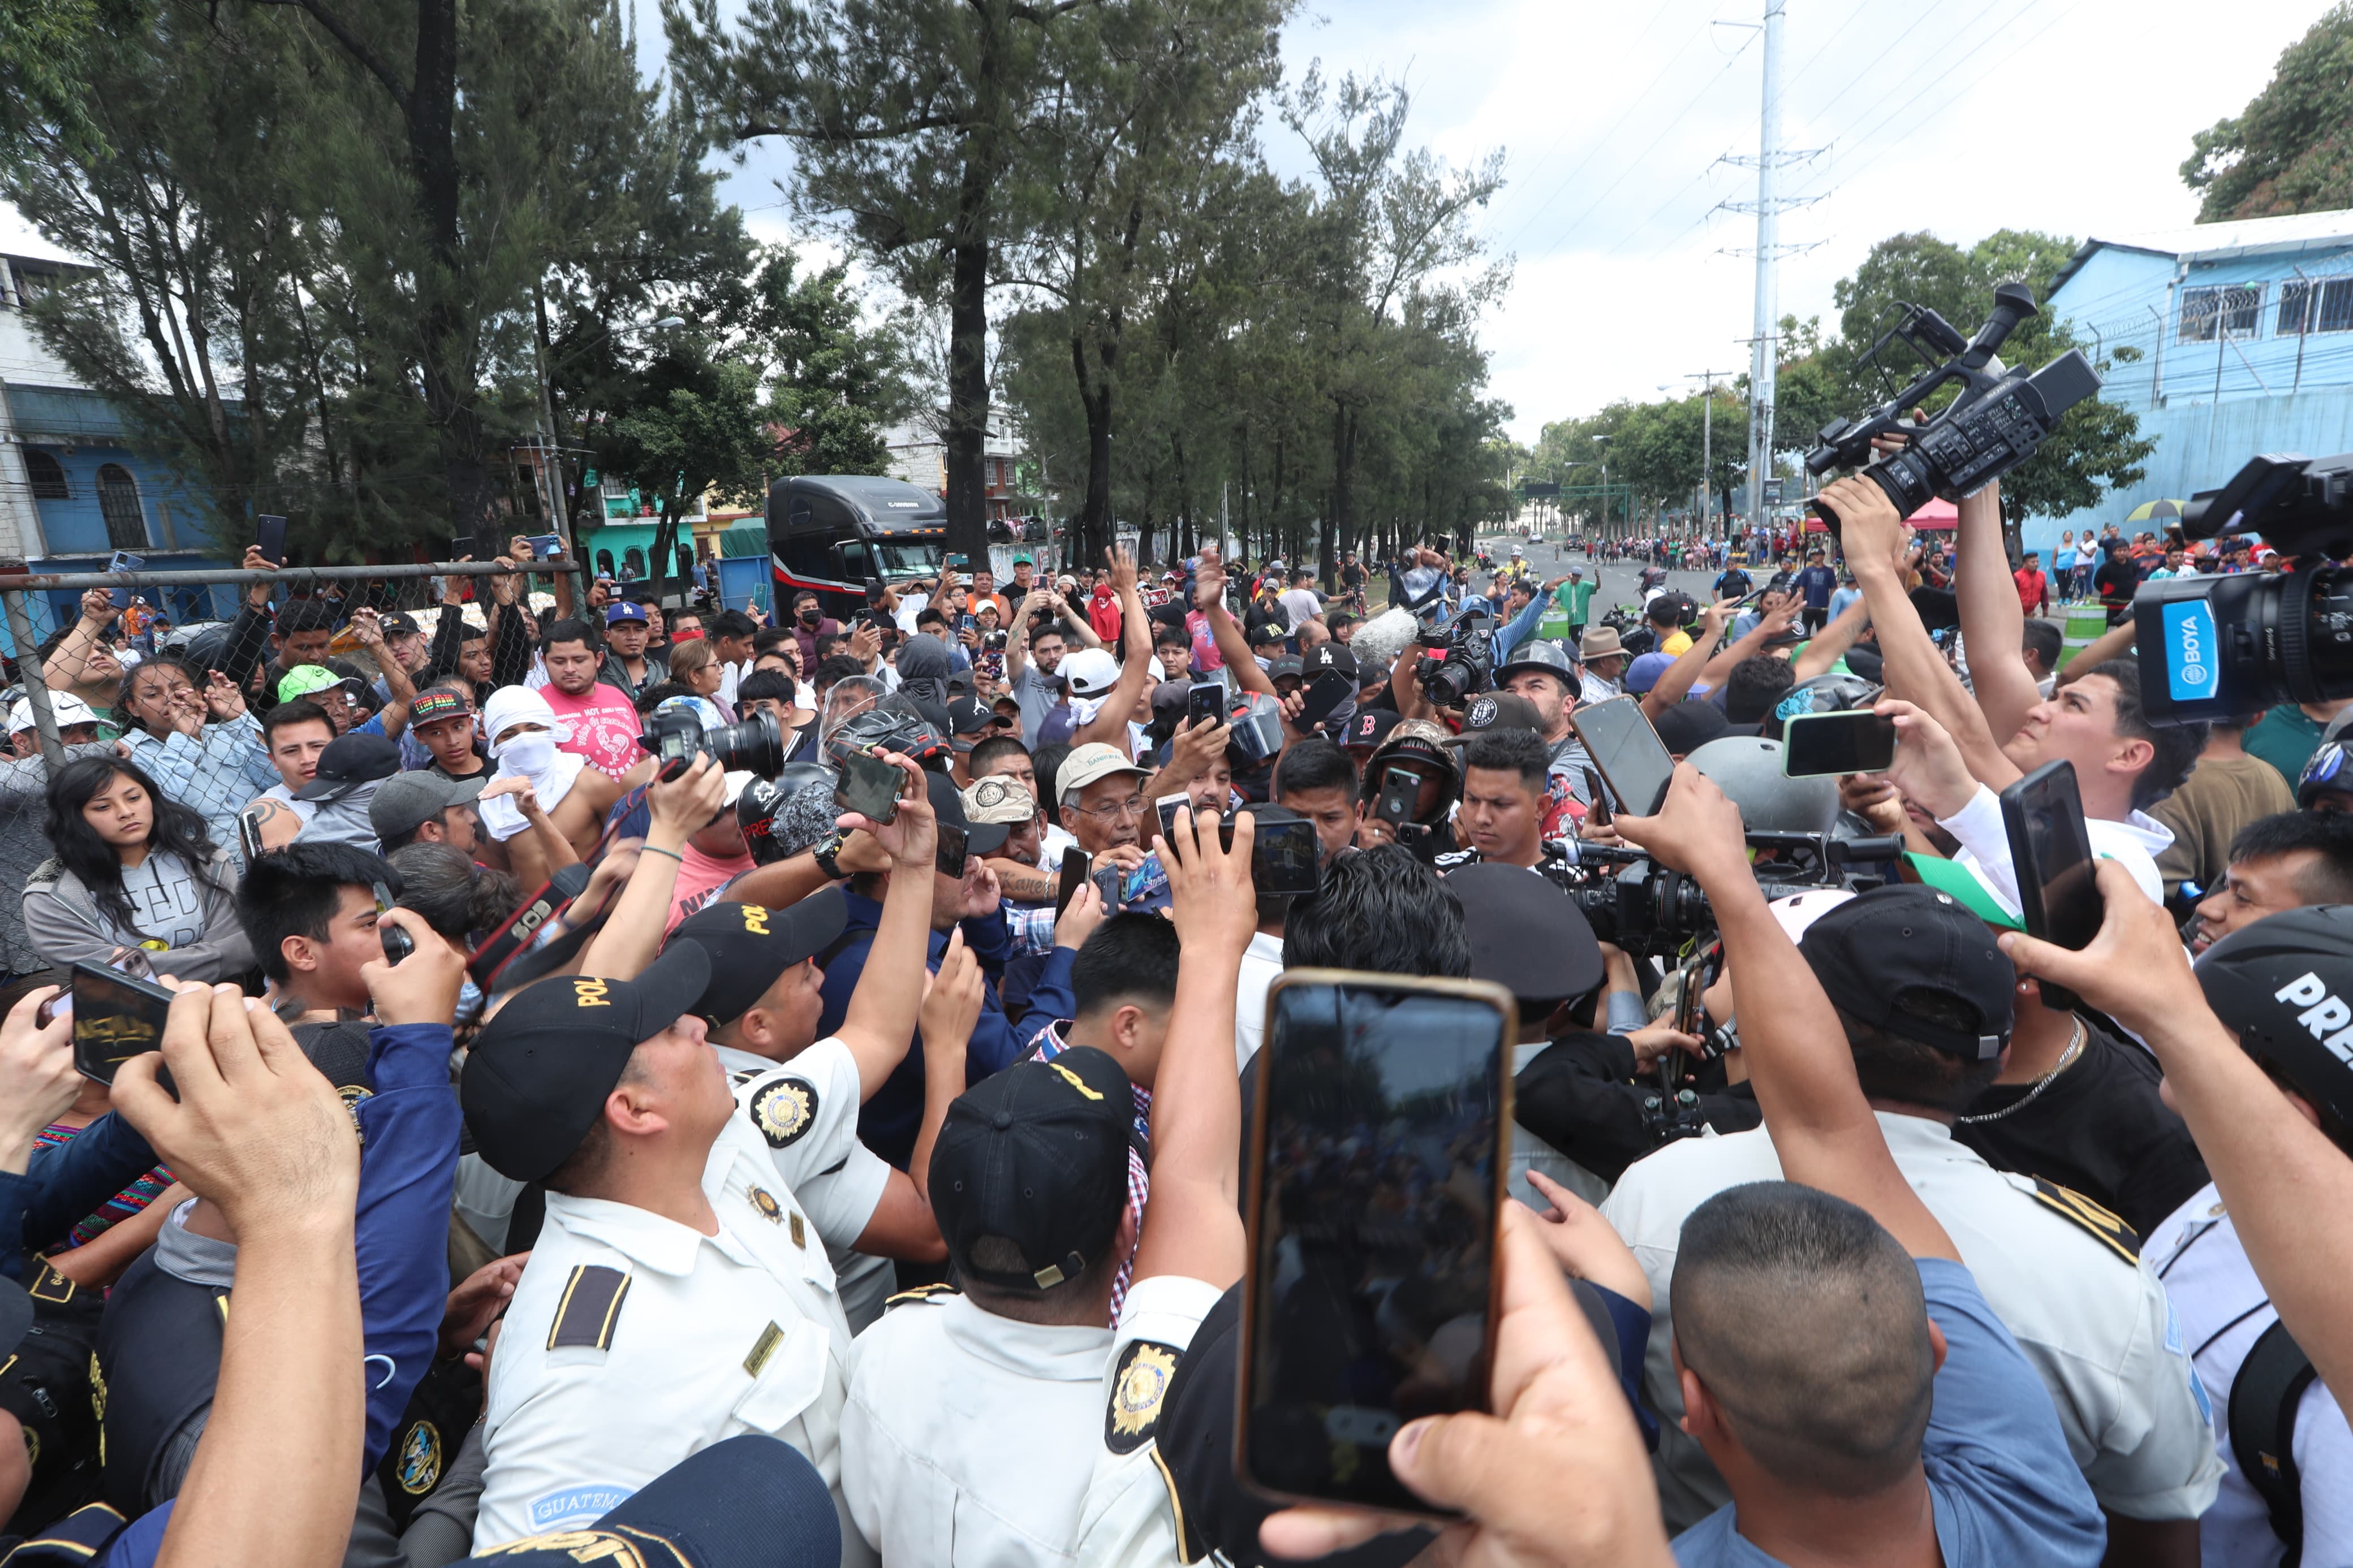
(2219,241)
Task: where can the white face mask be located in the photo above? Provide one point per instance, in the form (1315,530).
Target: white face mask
(532,751)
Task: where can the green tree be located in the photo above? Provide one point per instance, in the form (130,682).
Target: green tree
(699,428)
(2291,149)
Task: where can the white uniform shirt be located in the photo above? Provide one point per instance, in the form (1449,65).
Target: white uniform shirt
(2134,843)
(2094,1326)
(634,1342)
(1261,966)
(806,1111)
(2225,1309)
(968,1438)
(1130,1517)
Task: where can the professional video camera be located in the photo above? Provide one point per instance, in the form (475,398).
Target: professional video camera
(1466,666)
(2212,647)
(1650,911)
(1997,421)
(756,745)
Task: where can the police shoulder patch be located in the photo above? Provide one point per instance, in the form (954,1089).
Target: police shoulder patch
(1138,1387)
(929,1293)
(783,1110)
(589,1309)
(2107,1228)
(420,1458)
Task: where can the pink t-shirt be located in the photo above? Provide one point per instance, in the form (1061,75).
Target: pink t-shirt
(700,879)
(604,728)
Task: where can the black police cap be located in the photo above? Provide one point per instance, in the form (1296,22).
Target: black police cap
(750,945)
(1526,935)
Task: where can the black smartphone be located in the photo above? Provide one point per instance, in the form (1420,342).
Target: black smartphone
(397,943)
(1205,704)
(1077,865)
(248,837)
(2051,855)
(955,851)
(270,538)
(870,787)
(1627,752)
(116,1017)
(1376,1180)
(1326,692)
(1597,812)
(1859,742)
(1286,859)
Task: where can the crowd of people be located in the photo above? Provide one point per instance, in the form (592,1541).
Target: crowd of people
(644,1083)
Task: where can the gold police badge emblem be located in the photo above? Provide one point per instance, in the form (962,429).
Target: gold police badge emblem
(420,1460)
(763,1203)
(784,1111)
(1137,1389)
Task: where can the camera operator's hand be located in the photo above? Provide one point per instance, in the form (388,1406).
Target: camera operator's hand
(952,1001)
(1867,524)
(1559,1411)
(685,805)
(2136,970)
(1928,766)
(1697,831)
(1873,798)
(1211,896)
(256,1130)
(912,836)
(1080,917)
(1583,1245)
(1652,1041)
(421,988)
(38,1080)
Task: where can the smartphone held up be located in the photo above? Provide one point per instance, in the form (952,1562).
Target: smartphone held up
(1376,1185)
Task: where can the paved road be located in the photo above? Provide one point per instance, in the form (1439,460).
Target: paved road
(1620,580)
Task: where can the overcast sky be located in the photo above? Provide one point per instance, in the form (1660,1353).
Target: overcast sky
(1955,116)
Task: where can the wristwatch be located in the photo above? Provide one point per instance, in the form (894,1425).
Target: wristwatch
(824,855)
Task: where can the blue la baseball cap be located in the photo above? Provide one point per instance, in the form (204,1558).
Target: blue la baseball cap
(626,610)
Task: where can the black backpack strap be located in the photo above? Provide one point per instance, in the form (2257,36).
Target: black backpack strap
(2263,1398)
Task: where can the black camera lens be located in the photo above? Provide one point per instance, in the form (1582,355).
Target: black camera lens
(2217,647)
(756,745)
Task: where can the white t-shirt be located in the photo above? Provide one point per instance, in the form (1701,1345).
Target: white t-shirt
(1302,605)
(2134,843)
(1261,963)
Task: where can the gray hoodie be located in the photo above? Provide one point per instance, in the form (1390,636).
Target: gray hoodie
(63,919)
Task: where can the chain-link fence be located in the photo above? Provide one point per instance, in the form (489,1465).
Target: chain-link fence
(208,618)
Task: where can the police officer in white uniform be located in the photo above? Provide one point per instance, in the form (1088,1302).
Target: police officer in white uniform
(677,1295)
(1910,968)
(973,1417)
(800,1094)
(2281,1436)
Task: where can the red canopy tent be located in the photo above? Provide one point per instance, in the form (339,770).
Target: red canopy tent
(1936,514)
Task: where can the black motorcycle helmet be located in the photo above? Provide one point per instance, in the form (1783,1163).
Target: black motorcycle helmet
(892,724)
(755,811)
(2285,986)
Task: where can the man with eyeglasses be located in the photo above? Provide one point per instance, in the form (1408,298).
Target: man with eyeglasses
(1104,803)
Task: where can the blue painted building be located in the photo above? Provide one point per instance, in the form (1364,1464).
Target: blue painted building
(2239,338)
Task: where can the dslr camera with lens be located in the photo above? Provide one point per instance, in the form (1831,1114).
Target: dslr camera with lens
(1998,421)
(2213,645)
(1465,666)
(756,745)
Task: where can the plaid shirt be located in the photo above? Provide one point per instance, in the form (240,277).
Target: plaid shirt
(1045,1047)
(214,774)
(1031,926)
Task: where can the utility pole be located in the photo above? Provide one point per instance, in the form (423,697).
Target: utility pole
(1762,356)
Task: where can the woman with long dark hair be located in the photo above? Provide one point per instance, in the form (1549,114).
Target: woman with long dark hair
(193,735)
(132,868)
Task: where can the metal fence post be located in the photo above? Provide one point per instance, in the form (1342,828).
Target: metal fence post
(28,670)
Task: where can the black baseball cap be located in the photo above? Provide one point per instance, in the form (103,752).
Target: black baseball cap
(1326,656)
(1369,728)
(727,1506)
(400,624)
(1686,726)
(1526,935)
(537,1076)
(749,945)
(1880,954)
(1286,665)
(1499,711)
(967,716)
(947,801)
(349,763)
(1036,1157)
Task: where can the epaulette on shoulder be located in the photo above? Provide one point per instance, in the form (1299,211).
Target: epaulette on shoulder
(590,1308)
(920,1293)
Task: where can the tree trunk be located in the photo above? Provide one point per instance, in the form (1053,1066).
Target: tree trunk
(968,497)
(1094,398)
(1342,521)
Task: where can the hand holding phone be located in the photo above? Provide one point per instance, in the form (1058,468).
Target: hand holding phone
(116,1017)
(1078,865)
(1205,704)
(270,538)
(870,787)
(1856,742)
(2050,855)
(397,943)
(1627,752)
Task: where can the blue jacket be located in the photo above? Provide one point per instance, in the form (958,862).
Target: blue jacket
(408,1132)
(891,1118)
(1510,634)
(65,1182)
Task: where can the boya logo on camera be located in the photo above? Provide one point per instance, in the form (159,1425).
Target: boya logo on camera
(2325,1013)
(2191,646)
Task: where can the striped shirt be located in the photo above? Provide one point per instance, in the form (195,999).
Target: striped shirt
(212,773)
(122,1206)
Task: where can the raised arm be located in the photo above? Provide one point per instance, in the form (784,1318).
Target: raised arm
(633,933)
(68,660)
(1677,680)
(1210,598)
(2289,1189)
(1798,1058)
(1915,671)
(880,1021)
(1992,620)
(1830,643)
(1197,1109)
(1110,722)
